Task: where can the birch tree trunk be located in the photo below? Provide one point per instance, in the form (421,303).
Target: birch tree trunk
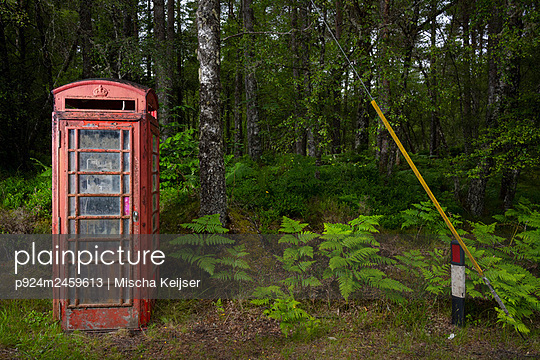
(211,162)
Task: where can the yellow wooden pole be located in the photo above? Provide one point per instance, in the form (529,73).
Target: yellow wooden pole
(426,187)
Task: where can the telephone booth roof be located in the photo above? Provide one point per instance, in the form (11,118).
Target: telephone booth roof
(110,89)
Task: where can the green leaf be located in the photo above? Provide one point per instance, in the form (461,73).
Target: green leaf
(337,262)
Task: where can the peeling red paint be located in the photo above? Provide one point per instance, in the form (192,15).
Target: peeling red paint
(124,114)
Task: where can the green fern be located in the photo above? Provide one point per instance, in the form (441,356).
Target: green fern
(426,219)
(430,274)
(506,264)
(353,258)
(297,259)
(196,249)
(290,226)
(525,218)
(206,224)
(233,266)
(285,309)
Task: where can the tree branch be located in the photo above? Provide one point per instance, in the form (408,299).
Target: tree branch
(264,33)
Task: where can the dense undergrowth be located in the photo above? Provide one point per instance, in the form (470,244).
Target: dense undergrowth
(259,194)
(26,201)
(324,201)
(341,188)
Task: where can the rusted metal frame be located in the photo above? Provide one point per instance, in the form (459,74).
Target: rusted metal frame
(130,173)
(98,115)
(98,217)
(155,152)
(101,305)
(87,238)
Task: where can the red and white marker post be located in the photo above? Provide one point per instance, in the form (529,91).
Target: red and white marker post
(458,283)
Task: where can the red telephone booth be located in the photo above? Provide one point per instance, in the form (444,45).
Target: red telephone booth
(105,193)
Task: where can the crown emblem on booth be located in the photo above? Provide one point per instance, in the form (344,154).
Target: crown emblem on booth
(101,91)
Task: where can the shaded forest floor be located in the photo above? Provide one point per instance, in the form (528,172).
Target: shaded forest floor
(236,330)
(364,328)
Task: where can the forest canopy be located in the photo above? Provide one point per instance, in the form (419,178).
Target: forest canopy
(457,79)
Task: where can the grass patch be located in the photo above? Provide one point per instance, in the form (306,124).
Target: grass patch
(28,331)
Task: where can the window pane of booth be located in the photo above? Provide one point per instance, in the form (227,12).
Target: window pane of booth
(72,206)
(72,162)
(126,226)
(126,184)
(99,161)
(99,227)
(99,184)
(100,295)
(126,139)
(93,206)
(126,162)
(99,139)
(72,184)
(71,139)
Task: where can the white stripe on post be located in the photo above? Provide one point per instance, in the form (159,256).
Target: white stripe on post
(457,271)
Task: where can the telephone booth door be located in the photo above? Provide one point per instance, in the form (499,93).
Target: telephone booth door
(105,193)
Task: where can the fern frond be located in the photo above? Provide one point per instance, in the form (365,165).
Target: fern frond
(336,229)
(362,254)
(186,254)
(260,302)
(207,263)
(214,239)
(267,292)
(337,262)
(242,276)
(307,236)
(288,239)
(238,251)
(206,224)
(303,266)
(346,286)
(221,275)
(331,245)
(290,226)
(192,239)
(305,251)
(241,264)
(311,281)
(365,223)
(227,260)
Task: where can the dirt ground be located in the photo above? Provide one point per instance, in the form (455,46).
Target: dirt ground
(243,332)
